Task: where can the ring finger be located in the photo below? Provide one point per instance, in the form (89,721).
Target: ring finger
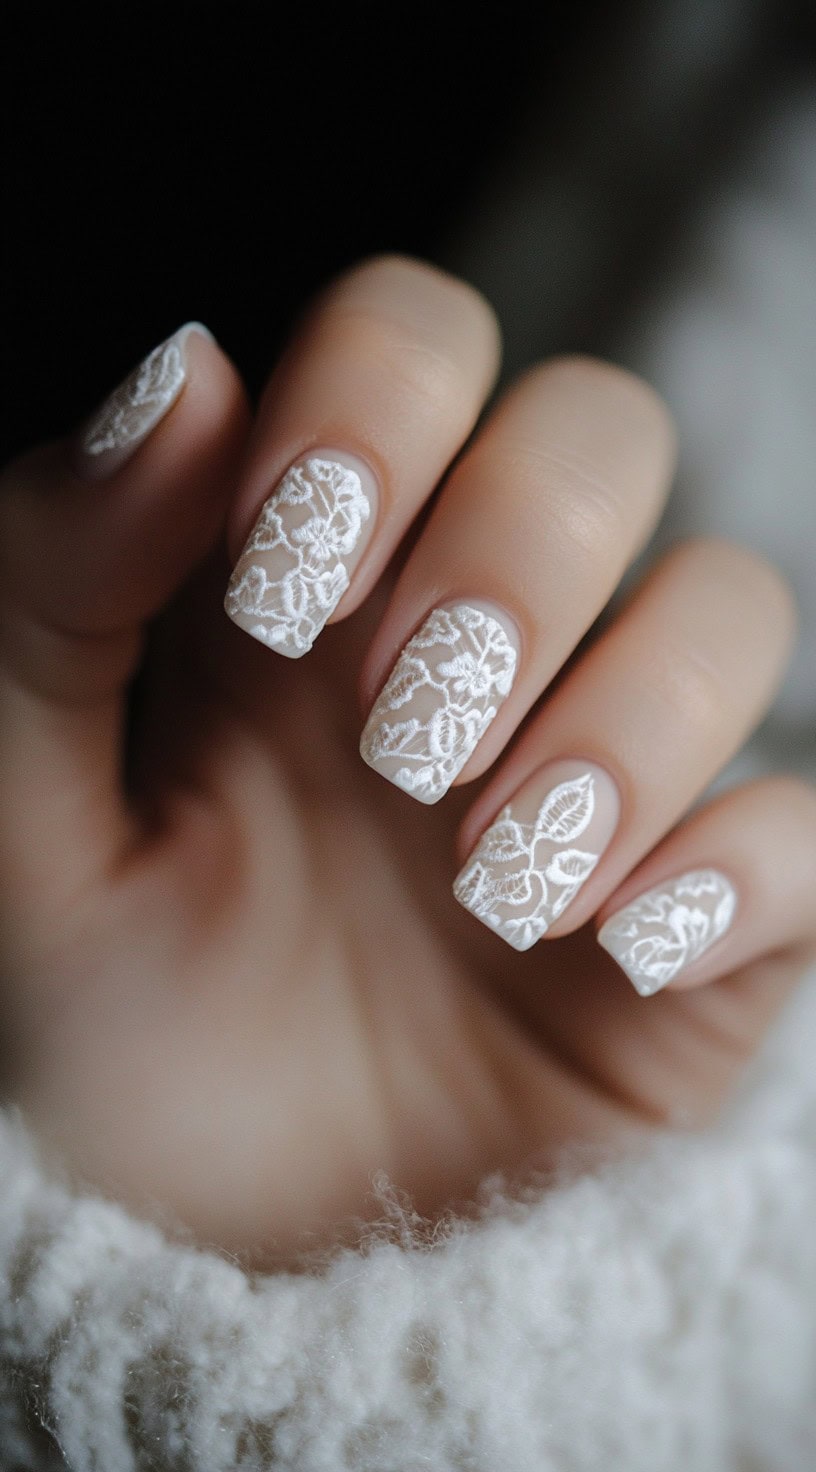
(634,733)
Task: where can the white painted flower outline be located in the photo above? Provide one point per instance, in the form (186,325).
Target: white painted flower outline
(292,608)
(134,405)
(660,934)
(475,661)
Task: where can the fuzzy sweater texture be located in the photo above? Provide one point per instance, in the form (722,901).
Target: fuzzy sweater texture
(655,1315)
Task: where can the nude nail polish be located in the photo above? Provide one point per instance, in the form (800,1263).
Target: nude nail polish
(298,561)
(441,696)
(122,423)
(662,932)
(529,865)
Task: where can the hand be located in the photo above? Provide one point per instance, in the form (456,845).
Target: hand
(236,981)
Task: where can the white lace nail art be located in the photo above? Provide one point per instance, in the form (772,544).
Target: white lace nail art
(439,700)
(296,564)
(667,928)
(528,865)
(134,409)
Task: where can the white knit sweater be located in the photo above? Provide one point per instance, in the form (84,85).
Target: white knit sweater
(658,1316)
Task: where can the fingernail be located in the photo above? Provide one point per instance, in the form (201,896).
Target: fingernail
(529,865)
(441,696)
(307,541)
(117,429)
(658,935)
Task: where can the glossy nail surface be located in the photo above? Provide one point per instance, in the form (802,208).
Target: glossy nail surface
(302,550)
(531,862)
(442,694)
(659,934)
(117,429)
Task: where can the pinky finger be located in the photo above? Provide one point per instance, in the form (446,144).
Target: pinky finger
(734,883)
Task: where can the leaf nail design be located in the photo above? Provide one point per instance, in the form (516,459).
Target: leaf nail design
(567,811)
(668,927)
(449,680)
(520,902)
(570,866)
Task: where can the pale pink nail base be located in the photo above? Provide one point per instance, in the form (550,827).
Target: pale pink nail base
(297,563)
(442,694)
(133,410)
(663,931)
(531,862)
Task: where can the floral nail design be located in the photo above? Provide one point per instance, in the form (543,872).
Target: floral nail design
(446,686)
(137,405)
(292,572)
(667,928)
(522,876)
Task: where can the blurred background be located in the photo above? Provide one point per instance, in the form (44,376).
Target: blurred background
(636,180)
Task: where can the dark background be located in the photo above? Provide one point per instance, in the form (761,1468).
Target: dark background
(173,161)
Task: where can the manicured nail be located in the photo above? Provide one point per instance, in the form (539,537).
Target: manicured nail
(440,698)
(655,937)
(302,550)
(529,865)
(119,426)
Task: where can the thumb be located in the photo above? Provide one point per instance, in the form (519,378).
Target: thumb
(95,536)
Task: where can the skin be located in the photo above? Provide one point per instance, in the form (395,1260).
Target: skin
(235,983)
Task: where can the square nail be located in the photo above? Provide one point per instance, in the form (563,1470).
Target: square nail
(297,563)
(662,932)
(126,418)
(529,865)
(442,694)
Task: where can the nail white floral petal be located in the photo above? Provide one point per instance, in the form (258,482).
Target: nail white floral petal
(663,931)
(134,409)
(292,572)
(450,680)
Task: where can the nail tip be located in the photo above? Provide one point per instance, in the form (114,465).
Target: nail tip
(644,917)
(128,416)
(496,930)
(288,651)
(428,801)
(642,985)
(183,332)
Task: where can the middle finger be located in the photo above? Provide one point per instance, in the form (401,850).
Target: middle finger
(526,544)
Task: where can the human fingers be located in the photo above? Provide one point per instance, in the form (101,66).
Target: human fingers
(732,884)
(527,541)
(96,533)
(378,391)
(631,737)
(719,920)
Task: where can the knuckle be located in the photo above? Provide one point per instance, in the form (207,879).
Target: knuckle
(584,508)
(745,573)
(792,798)
(771,586)
(629,395)
(434,379)
(404,283)
(694,687)
(585,503)
(426,308)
